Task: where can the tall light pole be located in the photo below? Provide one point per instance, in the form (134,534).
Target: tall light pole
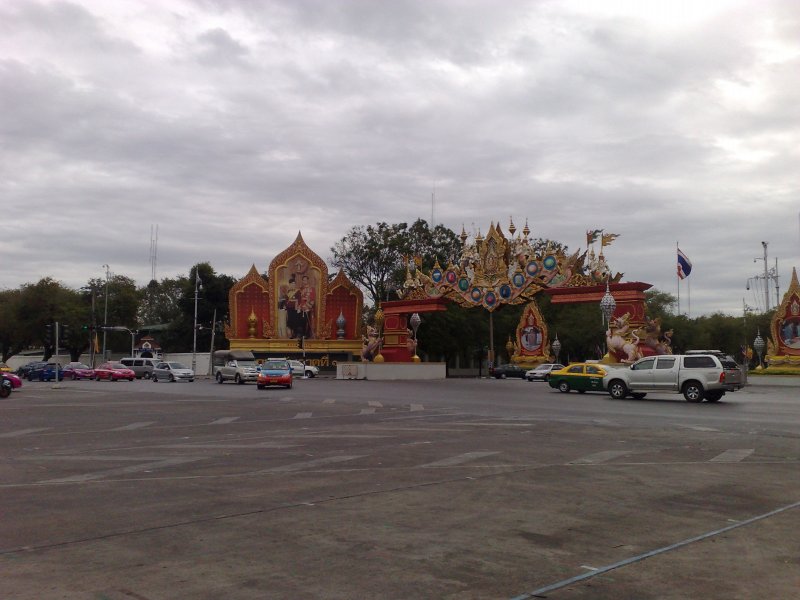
(105,316)
(198,285)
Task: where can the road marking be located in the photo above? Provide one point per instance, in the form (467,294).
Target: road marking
(304,415)
(460,459)
(148,466)
(374,403)
(309,464)
(698,428)
(599,457)
(329,401)
(224,421)
(133,426)
(212,446)
(542,591)
(415,407)
(733,455)
(21,432)
(367,411)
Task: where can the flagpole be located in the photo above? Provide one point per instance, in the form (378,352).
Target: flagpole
(677,247)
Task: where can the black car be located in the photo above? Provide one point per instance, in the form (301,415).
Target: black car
(503,371)
(26,368)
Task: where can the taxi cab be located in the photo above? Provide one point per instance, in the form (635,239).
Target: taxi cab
(274,372)
(582,377)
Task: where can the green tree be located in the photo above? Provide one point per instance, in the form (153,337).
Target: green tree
(159,301)
(13,335)
(373,256)
(212,298)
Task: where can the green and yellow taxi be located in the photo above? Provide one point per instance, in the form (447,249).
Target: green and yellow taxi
(582,377)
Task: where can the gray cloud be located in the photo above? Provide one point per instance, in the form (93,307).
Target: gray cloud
(234,125)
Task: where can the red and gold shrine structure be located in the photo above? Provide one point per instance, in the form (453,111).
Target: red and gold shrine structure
(497,270)
(783,350)
(296,310)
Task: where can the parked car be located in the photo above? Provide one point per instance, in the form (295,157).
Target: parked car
(509,370)
(172,372)
(143,367)
(46,372)
(275,372)
(582,377)
(542,372)
(15,380)
(306,370)
(78,370)
(113,371)
(26,368)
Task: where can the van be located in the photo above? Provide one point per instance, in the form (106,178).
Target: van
(143,367)
(235,365)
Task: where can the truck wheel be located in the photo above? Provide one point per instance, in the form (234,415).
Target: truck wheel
(238,379)
(714,396)
(219,377)
(693,391)
(563,387)
(259,386)
(638,395)
(147,375)
(617,389)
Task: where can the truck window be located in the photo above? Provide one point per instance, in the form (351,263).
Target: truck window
(644,365)
(699,362)
(665,363)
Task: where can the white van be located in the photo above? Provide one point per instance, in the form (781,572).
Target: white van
(143,367)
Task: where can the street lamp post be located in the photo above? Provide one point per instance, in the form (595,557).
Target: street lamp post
(758,346)
(198,285)
(105,315)
(415,321)
(556,347)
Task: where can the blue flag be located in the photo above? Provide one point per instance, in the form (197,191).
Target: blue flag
(684,265)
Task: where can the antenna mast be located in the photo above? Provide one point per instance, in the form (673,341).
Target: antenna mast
(153,251)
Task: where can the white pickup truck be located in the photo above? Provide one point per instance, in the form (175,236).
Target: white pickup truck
(697,376)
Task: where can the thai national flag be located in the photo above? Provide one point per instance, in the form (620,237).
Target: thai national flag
(684,265)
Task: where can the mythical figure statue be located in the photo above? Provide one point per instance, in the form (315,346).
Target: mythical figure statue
(623,342)
(371,345)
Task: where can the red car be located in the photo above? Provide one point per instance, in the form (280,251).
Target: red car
(114,371)
(16,382)
(76,370)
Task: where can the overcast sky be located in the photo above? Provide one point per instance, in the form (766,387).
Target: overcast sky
(234,124)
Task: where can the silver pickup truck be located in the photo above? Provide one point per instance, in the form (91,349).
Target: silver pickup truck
(697,376)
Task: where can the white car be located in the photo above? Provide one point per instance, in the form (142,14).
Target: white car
(308,371)
(172,371)
(542,372)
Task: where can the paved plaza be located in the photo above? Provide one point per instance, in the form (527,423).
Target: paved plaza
(460,489)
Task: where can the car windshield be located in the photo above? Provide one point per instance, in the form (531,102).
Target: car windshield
(177,365)
(276,365)
(79,366)
(117,366)
(247,363)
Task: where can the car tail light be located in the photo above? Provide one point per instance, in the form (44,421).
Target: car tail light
(722,377)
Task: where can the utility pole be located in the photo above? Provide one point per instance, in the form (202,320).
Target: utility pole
(105,316)
(198,285)
(769,274)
